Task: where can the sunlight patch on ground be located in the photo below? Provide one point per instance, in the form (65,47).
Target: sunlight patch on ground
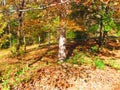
(4,53)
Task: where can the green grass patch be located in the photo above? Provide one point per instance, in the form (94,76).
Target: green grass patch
(99,63)
(113,63)
(80,58)
(13,75)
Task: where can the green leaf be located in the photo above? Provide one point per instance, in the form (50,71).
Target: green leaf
(1,15)
(107,28)
(118,33)
(99,64)
(2,24)
(93,28)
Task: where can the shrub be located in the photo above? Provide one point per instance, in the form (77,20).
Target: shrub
(99,63)
(94,49)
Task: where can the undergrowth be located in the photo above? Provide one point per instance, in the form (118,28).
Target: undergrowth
(113,63)
(99,63)
(80,58)
(14,75)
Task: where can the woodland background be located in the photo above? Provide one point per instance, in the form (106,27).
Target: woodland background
(40,35)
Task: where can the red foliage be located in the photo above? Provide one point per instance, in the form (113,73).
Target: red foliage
(77,1)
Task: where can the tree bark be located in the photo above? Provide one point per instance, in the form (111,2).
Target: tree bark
(100,36)
(39,41)
(20,27)
(49,40)
(9,29)
(62,32)
(24,39)
(18,41)
(4,2)
(62,46)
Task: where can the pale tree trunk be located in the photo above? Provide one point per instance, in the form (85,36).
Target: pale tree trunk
(100,36)
(39,41)
(18,41)
(4,2)
(62,47)
(62,31)
(24,39)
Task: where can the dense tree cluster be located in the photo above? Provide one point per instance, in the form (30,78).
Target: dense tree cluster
(26,22)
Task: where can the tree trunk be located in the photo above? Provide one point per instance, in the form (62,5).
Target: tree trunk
(18,41)
(62,46)
(24,39)
(62,32)
(39,41)
(4,2)
(49,40)
(9,29)
(100,36)
(20,27)
(105,32)
(104,38)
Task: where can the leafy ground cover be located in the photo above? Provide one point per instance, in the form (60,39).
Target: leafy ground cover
(84,69)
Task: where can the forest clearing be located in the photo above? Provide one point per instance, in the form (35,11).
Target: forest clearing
(59,45)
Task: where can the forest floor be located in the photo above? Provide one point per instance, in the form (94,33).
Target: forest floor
(84,68)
